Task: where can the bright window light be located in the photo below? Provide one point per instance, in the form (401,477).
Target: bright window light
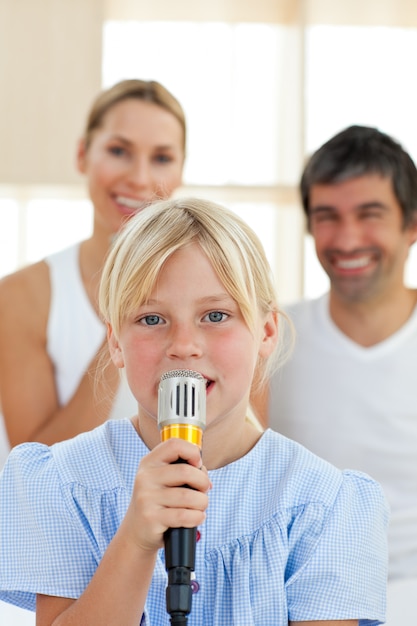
(53,224)
(262,218)
(9,235)
(227,77)
(316,281)
(359,75)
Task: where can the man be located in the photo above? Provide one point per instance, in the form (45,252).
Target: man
(349,391)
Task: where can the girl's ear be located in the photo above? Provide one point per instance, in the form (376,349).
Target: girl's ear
(269,334)
(81,158)
(114,348)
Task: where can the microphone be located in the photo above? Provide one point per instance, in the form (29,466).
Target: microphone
(181,414)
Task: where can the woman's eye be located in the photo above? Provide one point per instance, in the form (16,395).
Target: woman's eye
(216,316)
(163,158)
(117,150)
(151,320)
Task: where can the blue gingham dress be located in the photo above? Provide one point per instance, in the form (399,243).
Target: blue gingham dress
(287,535)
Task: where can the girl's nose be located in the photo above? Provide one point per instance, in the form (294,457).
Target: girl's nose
(184,343)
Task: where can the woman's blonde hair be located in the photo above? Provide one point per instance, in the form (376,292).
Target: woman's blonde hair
(153,235)
(146,90)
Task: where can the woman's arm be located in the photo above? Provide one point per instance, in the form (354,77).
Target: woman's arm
(115,596)
(27,381)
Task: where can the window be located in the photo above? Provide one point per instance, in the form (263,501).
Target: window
(232,81)
(258,98)
(359,75)
(237,84)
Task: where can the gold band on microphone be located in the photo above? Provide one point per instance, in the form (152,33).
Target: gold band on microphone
(188,432)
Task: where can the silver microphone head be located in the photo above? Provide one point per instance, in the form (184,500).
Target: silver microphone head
(182,399)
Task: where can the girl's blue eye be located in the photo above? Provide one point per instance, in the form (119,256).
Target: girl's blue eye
(216,316)
(150,320)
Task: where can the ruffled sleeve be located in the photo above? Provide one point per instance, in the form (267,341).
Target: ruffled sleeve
(338,558)
(48,545)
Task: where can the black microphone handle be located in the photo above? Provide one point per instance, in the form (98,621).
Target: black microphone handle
(180,546)
(179,562)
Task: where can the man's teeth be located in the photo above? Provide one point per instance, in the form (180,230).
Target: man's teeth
(351,264)
(130,203)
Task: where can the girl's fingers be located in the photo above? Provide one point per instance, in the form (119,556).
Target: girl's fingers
(167,494)
(173,449)
(180,474)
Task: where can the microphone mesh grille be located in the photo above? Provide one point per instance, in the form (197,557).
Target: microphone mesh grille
(182,373)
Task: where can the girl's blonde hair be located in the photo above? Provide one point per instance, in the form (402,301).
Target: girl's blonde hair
(153,235)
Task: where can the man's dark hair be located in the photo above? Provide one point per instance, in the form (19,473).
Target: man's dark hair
(361,150)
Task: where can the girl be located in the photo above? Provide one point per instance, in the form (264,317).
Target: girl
(284,537)
(132,153)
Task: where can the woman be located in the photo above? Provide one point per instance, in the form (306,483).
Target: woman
(131,154)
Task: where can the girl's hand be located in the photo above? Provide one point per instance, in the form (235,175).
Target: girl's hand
(161,498)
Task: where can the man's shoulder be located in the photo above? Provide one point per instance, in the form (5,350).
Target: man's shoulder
(306,304)
(305,311)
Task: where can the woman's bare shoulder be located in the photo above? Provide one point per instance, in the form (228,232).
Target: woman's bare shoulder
(26,290)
